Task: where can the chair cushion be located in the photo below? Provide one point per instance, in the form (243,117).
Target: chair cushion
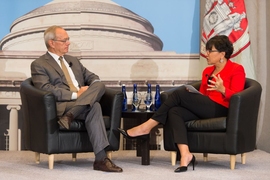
(213,124)
(79,125)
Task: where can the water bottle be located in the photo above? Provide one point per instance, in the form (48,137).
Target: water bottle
(149,96)
(124,105)
(134,97)
(157,98)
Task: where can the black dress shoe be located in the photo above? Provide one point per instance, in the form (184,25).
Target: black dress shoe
(185,168)
(125,134)
(106,165)
(65,120)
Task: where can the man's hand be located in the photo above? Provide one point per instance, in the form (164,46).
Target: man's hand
(82,89)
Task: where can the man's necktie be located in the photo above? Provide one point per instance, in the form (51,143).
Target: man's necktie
(66,73)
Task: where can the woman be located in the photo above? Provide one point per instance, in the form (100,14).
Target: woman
(219,82)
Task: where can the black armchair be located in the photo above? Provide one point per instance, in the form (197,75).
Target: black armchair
(43,134)
(234,134)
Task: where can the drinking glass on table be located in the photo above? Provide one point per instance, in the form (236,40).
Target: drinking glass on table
(136,102)
(148,102)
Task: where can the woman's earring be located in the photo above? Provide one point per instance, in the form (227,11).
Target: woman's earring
(221,60)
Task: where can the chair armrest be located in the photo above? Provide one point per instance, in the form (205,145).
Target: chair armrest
(243,114)
(111,104)
(40,117)
(197,84)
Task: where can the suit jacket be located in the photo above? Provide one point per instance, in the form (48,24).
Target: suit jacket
(48,75)
(233,76)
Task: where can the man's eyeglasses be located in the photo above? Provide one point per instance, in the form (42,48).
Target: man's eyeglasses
(210,50)
(63,41)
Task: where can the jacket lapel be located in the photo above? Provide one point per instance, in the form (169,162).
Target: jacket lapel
(49,59)
(53,64)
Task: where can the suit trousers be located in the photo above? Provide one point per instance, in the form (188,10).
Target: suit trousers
(95,127)
(182,106)
(91,112)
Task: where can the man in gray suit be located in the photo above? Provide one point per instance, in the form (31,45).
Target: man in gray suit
(77,92)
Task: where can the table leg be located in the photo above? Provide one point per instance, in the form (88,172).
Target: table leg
(142,146)
(145,152)
(139,148)
(144,149)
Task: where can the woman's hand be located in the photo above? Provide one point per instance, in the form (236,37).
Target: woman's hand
(216,85)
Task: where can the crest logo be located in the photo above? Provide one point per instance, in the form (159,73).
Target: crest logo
(225,17)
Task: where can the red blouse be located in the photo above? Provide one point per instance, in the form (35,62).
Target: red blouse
(233,76)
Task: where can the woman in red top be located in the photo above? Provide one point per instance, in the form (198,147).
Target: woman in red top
(220,81)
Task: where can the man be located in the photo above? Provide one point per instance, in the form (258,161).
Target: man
(77,92)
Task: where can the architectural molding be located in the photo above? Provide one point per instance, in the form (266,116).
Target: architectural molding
(32,55)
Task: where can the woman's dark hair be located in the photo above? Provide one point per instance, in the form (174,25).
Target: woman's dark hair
(222,44)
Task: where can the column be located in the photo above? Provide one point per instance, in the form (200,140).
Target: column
(13,127)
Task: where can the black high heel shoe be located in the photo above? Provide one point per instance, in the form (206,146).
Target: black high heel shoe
(185,168)
(125,134)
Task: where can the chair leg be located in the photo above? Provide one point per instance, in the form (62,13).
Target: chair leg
(243,158)
(37,157)
(74,157)
(233,158)
(173,157)
(205,157)
(51,161)
(109,154)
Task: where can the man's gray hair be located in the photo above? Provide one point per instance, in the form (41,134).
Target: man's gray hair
(49,34)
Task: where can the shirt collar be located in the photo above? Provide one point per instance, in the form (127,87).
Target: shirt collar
(55,56)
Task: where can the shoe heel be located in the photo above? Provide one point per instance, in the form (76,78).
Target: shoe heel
(193,162)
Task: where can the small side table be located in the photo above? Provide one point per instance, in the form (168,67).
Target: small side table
(142,146)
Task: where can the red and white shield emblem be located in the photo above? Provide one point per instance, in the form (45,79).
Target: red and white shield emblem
(226,17)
